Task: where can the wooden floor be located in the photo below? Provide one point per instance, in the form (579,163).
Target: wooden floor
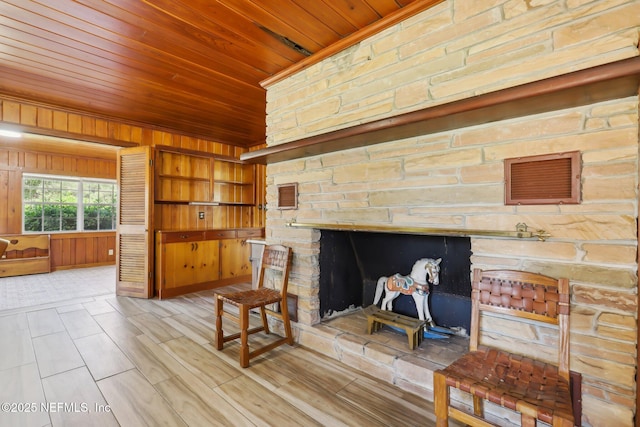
(107,360)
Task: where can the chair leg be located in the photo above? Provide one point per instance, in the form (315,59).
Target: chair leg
(441,400)
(265,323)
(562,422)
(244,336)
(287,323)
(478,406)
(219,332)
(527,421)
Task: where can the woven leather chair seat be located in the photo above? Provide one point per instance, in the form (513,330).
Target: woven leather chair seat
(252,299)
(515,382)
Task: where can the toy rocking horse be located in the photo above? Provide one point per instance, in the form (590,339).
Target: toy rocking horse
(415,284)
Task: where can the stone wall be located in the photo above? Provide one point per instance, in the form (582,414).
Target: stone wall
(455,179)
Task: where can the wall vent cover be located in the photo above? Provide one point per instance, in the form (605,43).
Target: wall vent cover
(543,180)
(288,196)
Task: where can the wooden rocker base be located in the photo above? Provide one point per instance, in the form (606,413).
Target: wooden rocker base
(414,328)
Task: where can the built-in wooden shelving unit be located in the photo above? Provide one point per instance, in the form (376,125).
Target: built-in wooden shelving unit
(602,83)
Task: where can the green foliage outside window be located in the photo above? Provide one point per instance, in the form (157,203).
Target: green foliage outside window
(56,204)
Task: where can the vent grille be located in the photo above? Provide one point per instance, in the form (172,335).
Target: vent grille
(547,179)
(288,196)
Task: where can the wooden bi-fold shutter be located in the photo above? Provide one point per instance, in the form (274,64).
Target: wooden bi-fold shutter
(134,260)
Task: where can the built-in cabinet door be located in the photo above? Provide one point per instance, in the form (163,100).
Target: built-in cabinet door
(234,258)
(190,263)
(207,261)
(179,266)
(134,237)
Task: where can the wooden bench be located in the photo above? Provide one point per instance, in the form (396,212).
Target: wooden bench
(414,328)
(25,254)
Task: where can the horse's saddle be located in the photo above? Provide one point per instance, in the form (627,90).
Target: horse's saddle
(405,285)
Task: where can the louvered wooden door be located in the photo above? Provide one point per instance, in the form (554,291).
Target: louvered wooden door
(134,258)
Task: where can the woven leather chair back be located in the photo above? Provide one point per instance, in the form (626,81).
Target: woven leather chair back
(525,295)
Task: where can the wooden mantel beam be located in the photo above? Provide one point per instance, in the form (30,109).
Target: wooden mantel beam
(614,80)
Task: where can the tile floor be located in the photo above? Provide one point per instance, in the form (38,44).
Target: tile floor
(75,354)
(58,286)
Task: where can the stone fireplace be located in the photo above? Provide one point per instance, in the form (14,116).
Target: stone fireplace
(452,177)
(352,261)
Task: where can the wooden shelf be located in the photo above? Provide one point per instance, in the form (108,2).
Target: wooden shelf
(192,177)
(184,178)
(233,183)
(220,181)
(615,80)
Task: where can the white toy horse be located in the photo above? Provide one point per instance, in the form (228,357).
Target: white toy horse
(416,285)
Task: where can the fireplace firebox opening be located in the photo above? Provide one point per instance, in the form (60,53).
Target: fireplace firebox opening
(352,261)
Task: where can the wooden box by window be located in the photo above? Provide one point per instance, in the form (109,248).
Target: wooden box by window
(543,180)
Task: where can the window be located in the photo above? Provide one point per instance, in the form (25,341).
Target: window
(52,203)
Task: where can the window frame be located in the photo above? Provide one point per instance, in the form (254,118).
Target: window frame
(82,184)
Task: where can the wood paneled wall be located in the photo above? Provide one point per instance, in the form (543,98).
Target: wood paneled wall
(72,158)
(82,249)
(18,157)
(28,116)
(185,217)
(14,161)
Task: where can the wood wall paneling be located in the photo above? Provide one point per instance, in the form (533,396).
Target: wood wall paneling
(82,249)
(45,152)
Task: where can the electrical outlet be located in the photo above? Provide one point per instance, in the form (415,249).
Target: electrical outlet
(110,251)
(201,215)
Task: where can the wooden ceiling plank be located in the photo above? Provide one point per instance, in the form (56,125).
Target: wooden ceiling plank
(383,7)
(102,103)
(358,12)
(330,13)
(290,15)
(234,42)
(261,17)
(127,72)
(137,42)
(169,36)
(93,82)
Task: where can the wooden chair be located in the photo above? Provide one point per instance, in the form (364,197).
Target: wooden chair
(535,389)
(276,258)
